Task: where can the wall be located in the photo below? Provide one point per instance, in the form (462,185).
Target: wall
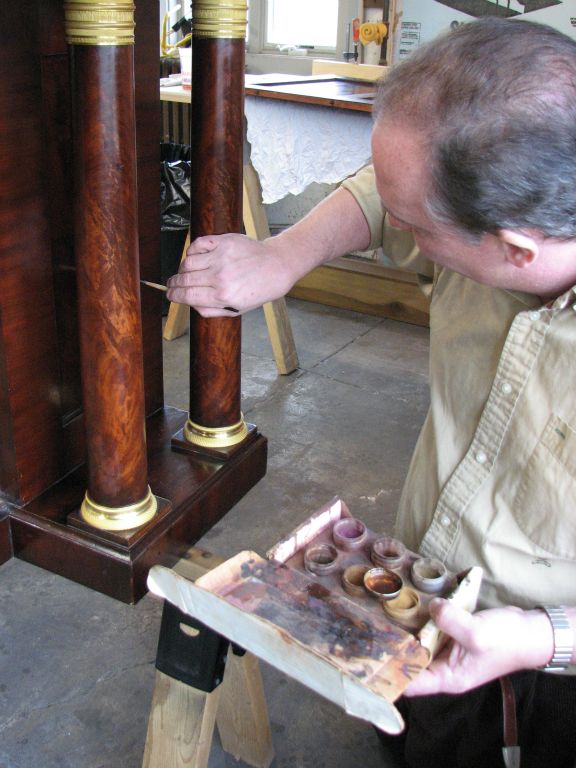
(420,22)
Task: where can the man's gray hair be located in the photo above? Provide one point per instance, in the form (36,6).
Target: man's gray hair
(496,101)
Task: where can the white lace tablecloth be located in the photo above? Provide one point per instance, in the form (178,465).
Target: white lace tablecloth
(293,145)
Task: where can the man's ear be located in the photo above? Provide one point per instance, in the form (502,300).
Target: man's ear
(520,249)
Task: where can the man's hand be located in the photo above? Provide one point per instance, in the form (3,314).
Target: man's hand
(232,270)
(222,271)
(482,647)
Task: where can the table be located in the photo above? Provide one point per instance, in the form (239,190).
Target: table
(326,90)
(321,90)
(302,129)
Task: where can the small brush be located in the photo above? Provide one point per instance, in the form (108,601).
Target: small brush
(163,288)
(156,286)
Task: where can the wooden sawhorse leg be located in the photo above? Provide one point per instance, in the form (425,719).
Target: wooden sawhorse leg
(178,314)
(182,718)
(275,312)
(180,726)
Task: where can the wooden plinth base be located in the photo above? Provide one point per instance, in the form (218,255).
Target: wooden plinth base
(195,492)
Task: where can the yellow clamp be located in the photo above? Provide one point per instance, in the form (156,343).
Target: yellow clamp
(166,48)
(373,32)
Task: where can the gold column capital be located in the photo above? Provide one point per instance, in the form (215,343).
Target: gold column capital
(219,18)
(99,22)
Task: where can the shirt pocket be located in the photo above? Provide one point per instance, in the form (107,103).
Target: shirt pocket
(545,504)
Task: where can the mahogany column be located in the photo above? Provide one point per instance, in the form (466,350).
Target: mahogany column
(217,137)
(106,242)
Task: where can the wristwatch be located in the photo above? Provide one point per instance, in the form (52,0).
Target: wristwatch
(563,638)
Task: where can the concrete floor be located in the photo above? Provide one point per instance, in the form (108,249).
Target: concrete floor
(77,668)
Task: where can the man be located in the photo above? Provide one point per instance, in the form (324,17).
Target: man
(474,161)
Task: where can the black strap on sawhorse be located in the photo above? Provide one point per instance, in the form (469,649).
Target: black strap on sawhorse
(196,655)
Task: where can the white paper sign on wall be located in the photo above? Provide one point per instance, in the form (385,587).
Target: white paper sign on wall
(422,20)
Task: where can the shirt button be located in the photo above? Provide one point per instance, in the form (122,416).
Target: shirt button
(445,520)
(534,316)
(506,388)
(481,457)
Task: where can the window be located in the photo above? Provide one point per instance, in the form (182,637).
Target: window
(320,25)
(301,23)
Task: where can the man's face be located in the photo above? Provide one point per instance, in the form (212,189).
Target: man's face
(400,166)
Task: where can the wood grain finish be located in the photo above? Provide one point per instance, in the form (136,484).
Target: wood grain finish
(147,158)
(216,207)
(41,419)
(30,401)
(107,274)
(42,436)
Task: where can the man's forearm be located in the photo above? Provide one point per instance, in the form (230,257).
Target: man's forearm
(334,227)
(231,270)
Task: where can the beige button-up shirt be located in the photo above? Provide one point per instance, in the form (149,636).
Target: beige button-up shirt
(493,478)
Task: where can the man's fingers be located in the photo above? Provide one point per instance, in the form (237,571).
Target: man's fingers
(216,312)
(203,300)
(426,684)
(202,245)
(195,281)
(196,262)
(195,296)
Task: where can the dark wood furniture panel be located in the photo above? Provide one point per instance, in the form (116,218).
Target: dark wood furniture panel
(148,161)
(5,535)
(30,400)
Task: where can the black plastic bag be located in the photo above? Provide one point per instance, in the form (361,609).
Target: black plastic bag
(175,187)
(174,208)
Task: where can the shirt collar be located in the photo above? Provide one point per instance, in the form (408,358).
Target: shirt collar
(531,301)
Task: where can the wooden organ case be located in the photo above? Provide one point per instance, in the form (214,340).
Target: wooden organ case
(99,479)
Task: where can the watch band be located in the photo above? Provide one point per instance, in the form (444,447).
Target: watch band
(563,638)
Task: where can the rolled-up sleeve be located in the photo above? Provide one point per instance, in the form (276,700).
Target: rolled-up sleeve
(398,245)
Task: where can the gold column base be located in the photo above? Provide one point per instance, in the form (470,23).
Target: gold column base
(119,518)
(215,437)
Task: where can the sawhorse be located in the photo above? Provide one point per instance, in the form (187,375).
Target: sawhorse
(275,312)
(204,683)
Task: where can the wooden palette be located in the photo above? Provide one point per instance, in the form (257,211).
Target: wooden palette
(344,648)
